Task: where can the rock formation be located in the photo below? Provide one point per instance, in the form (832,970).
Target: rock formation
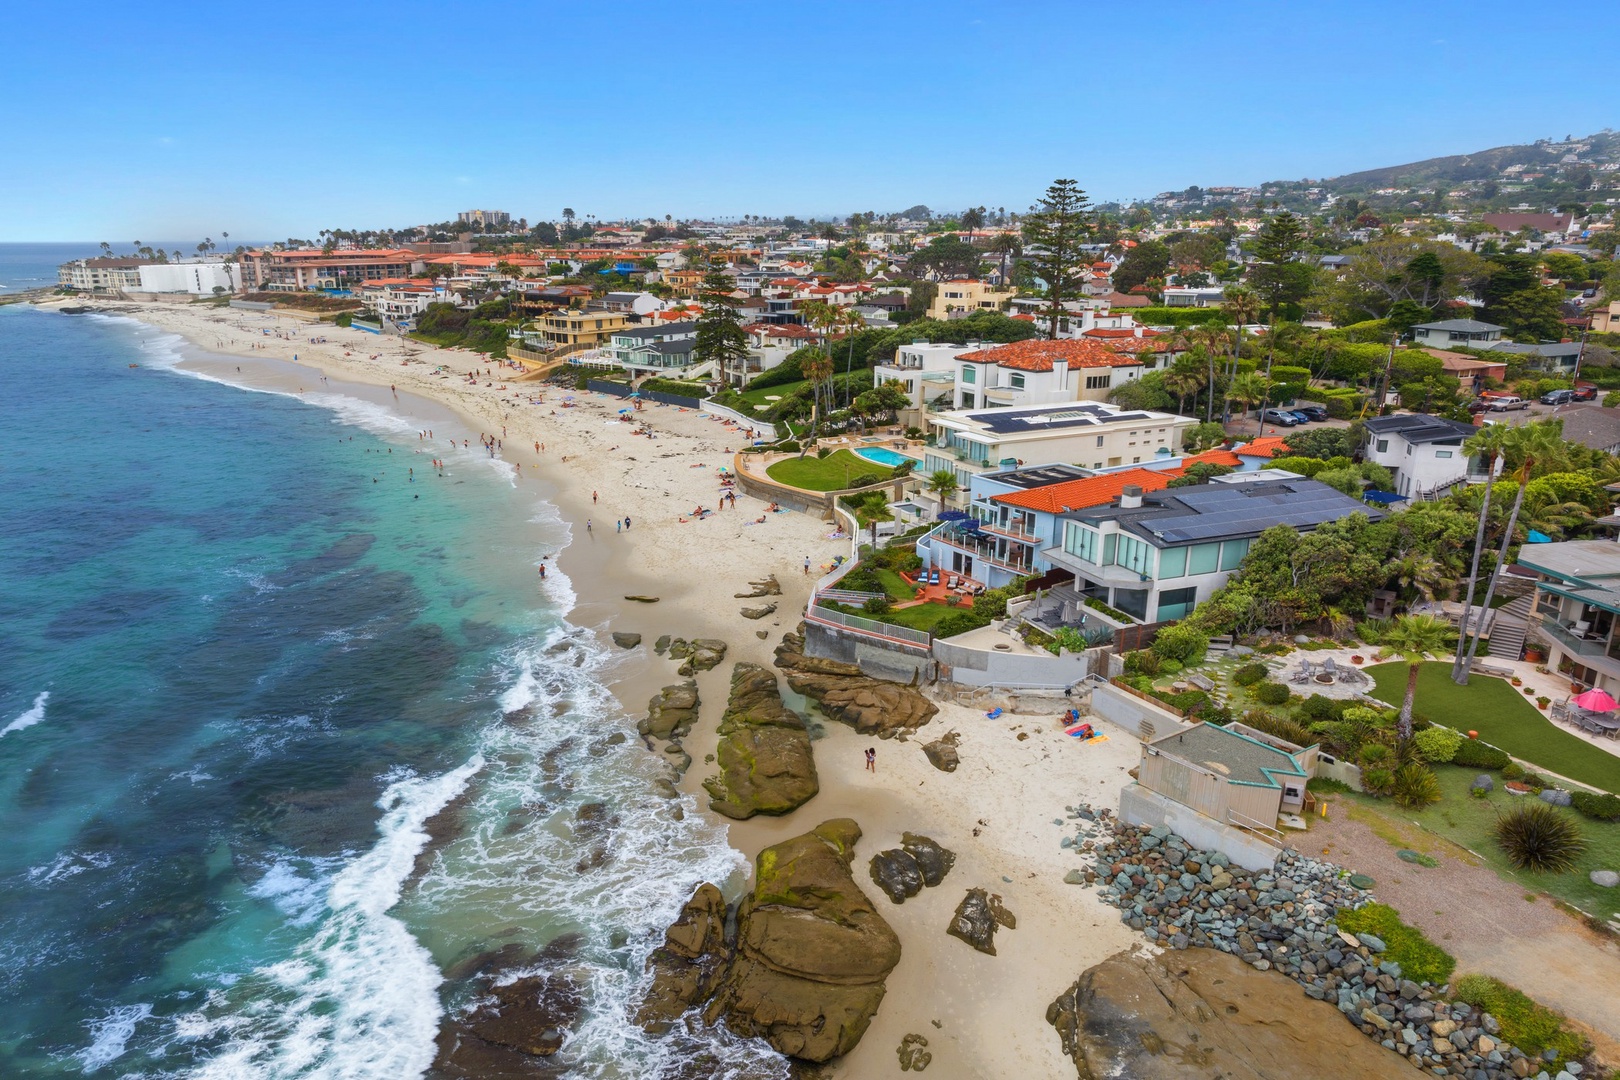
(699,654)
(626,641)
(976,919)
(671,712)
(769,587)
(766,765)
(942,753)
(805,968)
(903,871)
(871,706)
(758,612)
(512,1027)
(1205,1013)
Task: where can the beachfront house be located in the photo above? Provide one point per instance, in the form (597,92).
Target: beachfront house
(1040,372)
(1425,454)
(1577,609)
(1155,555)
(581,328)
(927,372)
(1467,333)
(1091,434)
(662,349)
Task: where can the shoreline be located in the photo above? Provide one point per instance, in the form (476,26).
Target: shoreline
(981,1014)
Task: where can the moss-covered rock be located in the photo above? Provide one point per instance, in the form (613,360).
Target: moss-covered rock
(766,764)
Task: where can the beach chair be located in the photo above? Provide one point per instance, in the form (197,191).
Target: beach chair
(950,581)
(1303,674)
(933,578)
(1328,668)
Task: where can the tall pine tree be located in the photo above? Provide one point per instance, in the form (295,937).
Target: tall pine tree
(1054,230)
(720,335)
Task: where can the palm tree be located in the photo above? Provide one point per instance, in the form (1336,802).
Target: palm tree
(1414,637)
(1182,381)
(1210,338)
(1487,446)
(818,368)
(1249,390)
(942,484)
(872,509)
(1529,443)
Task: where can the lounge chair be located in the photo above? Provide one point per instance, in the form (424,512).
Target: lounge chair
(950,581)
(933,578)
(1328,668)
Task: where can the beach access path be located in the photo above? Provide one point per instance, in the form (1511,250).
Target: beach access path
(996,811)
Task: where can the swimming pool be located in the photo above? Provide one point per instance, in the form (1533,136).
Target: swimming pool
(884,457)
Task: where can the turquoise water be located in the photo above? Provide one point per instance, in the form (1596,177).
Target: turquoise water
(250,647)
(884,457)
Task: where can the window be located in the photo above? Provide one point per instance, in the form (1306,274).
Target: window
(1172,562)
(1081,541)
(1176,603)
(969,374)
(1442,453)
(1549,603)
(1134,554)
(1099,440)
(1232,553)
(1016,381)
(1383,445)
(1098,382)
(1203,558)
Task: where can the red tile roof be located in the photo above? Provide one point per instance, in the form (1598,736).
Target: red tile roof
(1213,457)
(1270,446)
(1086,492)
(1040,355)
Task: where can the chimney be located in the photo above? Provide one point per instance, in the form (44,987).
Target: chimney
(1130,497)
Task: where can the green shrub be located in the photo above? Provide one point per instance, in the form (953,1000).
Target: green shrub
(1604,807)
(1473,754)
(1169,667)
(1438,744)
(1513,771)
(1249,674)
(823,452)
(1377,781)
(1181,642)
(878,605)
(1190,701)
(958,622)
(1538,838)
(1280,727)
(1415,787)
(1326,785)
(1373,754)
(1141,662)
(789,446)
(1272,693)
(1531,1027)
(1421,960)
(1372,631)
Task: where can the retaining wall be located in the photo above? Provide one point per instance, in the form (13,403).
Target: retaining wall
(985,667)
(877,660)
(1139,806)
(766,431)
(1142,719)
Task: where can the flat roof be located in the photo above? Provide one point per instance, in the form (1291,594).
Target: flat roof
(1069,414)
(1038,476)
(1208,512)
(1421,428)
(1240,759)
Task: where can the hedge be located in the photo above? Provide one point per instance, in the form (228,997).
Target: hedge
(1473,754)
(1178,317)
(1604,807)
(1249,674)
(1271,693)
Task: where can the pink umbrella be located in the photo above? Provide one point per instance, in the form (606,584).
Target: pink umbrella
(1596,701)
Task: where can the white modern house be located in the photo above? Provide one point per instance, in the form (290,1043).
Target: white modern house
(1425,454)
(198,278)
(927,371)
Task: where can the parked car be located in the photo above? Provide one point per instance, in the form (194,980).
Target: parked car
(1507,403)
(1280,417)
(1479,405)
(1585,393)
(1558,397)
(1312,412)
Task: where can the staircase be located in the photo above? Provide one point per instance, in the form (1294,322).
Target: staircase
(1507,632)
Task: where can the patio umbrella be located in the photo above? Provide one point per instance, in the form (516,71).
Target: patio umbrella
(1596,701)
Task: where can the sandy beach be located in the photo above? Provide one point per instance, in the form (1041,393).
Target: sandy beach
(982,1015)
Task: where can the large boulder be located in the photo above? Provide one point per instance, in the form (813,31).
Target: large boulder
(699,654)
(806,968)
(933,861)
(510,1025)
(976,919)
(766,765)
(1204,1013)
(871,706)
(672,711)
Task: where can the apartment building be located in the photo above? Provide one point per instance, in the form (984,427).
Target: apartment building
(963,297)
(586,328)
(107,274)
(314,268)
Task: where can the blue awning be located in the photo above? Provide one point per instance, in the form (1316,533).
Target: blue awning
(1382,498)
(1539,538)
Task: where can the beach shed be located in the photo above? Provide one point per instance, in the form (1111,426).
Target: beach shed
(1235,775)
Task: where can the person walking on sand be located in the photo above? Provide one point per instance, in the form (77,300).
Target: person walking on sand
(871,759)
(587,524)
(593,498)
(807,566)
(627,523)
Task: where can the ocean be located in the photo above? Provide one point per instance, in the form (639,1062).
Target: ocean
(293,739)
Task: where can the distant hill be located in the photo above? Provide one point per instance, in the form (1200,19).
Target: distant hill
(1493,164)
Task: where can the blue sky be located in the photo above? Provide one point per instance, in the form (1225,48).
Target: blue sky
(272,120)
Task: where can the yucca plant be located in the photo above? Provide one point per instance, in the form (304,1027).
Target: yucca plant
(1538,838)
(1415,787)
(1374,754)
(1377,781)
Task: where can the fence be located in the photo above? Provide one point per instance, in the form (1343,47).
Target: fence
(766,431)
(602,386)
(252,305)
(902,636)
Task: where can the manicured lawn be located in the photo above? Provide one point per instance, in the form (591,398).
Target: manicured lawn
(1467,821)
(763,395)
(1503,717)
(896,586)
(921,617)
(831,473)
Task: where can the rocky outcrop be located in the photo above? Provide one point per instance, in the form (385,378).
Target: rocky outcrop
(903,871)
(976,919)
(769,587)
(758,612)
(805,967)
(941,753)
(1204,1013)
(766,765)
(699,654)
(871,706)
(626,641)
(511,1027)
(671,712)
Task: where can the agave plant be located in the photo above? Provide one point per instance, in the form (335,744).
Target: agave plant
(1415,787)
(1377,781)
(1540,839)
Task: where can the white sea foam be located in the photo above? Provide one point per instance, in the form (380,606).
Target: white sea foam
(68,864)
(34,715)
(110,1034)
(359,998)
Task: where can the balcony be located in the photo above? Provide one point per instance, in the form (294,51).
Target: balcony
(1573,641)
(983,552)
(1014,532)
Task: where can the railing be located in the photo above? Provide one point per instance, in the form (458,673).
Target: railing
(1269,833)
(1012,531)
(978,553)
(1572,641)
(847,596)
(900,635)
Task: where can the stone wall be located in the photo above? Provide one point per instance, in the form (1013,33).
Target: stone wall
(1139,806)
(1141,718)
(987,667)
(876,659)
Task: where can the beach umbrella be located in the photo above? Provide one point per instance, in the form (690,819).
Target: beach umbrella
(953,515)
(1596,701)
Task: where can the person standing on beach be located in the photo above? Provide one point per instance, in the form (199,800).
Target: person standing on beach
(587,524)
(871,759)
(593,498)
(807,566)
(627,523)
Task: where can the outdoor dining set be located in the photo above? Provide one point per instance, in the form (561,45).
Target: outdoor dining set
(1592,712)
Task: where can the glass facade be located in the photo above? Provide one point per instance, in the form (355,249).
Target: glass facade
(1177,603)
